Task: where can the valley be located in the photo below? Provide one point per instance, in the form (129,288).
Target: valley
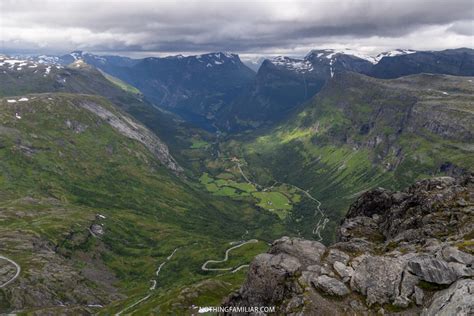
(51,208)
(113,203)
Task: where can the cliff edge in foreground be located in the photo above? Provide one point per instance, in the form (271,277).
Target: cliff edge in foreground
(405,253)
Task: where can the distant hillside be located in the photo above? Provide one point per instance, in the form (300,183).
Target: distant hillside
(456,62)
(283,83)
(195,87)
(360,132)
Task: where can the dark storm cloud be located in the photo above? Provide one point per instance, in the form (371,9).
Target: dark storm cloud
(240,26)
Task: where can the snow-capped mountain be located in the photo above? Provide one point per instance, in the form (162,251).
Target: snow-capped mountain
(392,53)
(10,65)
(323,64)
(298,65)
(282,83)
(394,64)
(351,60)
(196,86)
(217,88)
(330,54)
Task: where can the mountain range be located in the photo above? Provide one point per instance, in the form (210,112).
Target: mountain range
(217,90)
(148,185)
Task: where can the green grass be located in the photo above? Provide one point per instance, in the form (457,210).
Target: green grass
(273,201)
(121,84)
(198,144)
(56,179)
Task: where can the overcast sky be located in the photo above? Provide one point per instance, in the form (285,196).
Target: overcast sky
(250,28)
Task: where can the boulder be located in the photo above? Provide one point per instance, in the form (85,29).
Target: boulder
(268,279)
(378,278)
(308,251)
(453,254)
(418,295)
(437,271)
(97,229)
(458,300)
(343,271)
(337,255)
(330,286)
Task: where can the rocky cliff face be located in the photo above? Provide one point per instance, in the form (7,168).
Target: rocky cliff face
(133,130)
(408,252)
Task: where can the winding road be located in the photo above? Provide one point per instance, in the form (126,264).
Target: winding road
(239,268)
(18,269)
(134,304)
(153,284)
(320,226)
(323,220)
(205,268)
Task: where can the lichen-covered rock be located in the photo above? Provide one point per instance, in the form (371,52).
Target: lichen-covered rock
(458,300)
(453,254)
(97,229)
(397,250)
(330,286)
(377,278)
(343,271)
(438,271)
(306,250)
(278,269)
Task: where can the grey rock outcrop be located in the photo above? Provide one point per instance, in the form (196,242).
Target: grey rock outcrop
(458,300)
(330,286)
(377,278)
(133,130)
(403,253)
(438,271)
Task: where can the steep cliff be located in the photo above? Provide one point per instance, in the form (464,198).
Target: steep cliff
(407,252)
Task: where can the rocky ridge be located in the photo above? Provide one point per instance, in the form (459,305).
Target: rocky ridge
(398,253)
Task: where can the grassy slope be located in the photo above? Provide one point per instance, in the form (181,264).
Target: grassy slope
(121,84)
(75,174)
(359,133)
(88,80)
(150,212)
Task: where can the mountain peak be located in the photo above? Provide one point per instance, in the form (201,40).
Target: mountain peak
(219,56)
(80,64)
(392,53)
(293,64)
(332,53)
(76,54)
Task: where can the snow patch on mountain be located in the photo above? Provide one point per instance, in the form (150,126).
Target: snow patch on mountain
(394,53)
(332,53)
(27,64)
(298,65)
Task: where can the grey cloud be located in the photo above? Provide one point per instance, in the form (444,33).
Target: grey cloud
(463,28)
(240,26)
